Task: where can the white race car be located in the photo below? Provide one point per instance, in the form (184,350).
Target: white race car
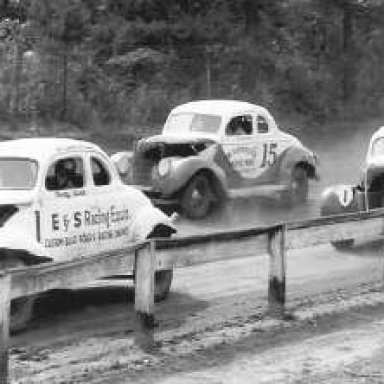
(213,149)
(62,199)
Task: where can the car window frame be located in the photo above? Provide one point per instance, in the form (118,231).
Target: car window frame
(38,172)
(54,160)
(242,114)
(106,166)
(266,120)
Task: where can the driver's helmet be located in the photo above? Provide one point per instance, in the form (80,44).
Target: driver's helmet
(65,167)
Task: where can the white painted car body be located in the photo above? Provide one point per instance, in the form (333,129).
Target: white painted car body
(63,224)
(250,155)
(368,194)
(210,150)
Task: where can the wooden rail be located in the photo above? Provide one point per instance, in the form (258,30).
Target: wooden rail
(146,257)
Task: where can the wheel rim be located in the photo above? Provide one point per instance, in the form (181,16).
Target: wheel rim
(198,195)
(197,198)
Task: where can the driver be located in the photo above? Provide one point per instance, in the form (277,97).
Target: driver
(64,172)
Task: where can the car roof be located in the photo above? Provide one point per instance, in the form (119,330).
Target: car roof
(378,133)
(41,149)
(217,107)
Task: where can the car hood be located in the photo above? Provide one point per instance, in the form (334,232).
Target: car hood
(171,139)
(15,197)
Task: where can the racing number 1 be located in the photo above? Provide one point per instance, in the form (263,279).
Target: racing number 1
(269,154)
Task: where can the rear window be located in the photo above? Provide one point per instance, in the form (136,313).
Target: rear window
(100,173)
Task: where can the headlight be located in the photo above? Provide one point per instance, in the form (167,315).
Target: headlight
(164,167)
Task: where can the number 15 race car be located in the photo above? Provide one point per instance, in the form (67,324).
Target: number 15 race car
(368,194)
(62,199)
(213,149)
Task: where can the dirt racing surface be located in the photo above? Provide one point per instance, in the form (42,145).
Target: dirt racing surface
(214,327)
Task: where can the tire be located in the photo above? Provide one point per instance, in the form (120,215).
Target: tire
(21,308)
(163,281)
(197,198)
(343,244)
(298,187)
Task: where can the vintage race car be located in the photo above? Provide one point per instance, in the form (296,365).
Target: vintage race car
(213,149)
(368,194)
(62,199)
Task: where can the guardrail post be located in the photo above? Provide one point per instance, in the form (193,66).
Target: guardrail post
(277,271)
(5,291)
(144,295)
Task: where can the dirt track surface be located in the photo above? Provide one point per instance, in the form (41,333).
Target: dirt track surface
(214,327)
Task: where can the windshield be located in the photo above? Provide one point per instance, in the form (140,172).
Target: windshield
(378,147)
(192,122)
(17,173)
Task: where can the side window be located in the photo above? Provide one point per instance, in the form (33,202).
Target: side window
(100,172)
(262,125)
(65,173)
(240,125)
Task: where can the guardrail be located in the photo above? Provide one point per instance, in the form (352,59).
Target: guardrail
(160,254)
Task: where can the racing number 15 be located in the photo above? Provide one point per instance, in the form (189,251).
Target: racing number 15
(269,154)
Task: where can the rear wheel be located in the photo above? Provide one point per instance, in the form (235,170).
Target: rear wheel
(21,308)
(298,187)
(163,281)
(197,197)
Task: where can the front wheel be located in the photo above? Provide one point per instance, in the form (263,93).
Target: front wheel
(197,198)
(298,187)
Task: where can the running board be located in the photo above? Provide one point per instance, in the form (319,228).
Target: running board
(260,190)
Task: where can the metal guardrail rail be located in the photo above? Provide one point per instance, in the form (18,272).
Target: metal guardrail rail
(147,257)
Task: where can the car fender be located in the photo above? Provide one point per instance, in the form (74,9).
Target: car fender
(337,199)
(151,222)
(294,156)
(184,169)
(145,218)
(23,246)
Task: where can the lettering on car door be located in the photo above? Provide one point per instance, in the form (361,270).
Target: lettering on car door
(64,194)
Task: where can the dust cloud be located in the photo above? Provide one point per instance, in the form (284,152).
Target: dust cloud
(341,156)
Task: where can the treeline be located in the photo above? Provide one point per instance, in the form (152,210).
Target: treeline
(88,62)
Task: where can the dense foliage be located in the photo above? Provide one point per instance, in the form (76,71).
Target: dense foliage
(129,61)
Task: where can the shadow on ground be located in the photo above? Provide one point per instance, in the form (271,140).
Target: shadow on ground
(115,304)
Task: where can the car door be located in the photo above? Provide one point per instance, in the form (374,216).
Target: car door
(240,146)
(62,205)
(112,230)
(270,145)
